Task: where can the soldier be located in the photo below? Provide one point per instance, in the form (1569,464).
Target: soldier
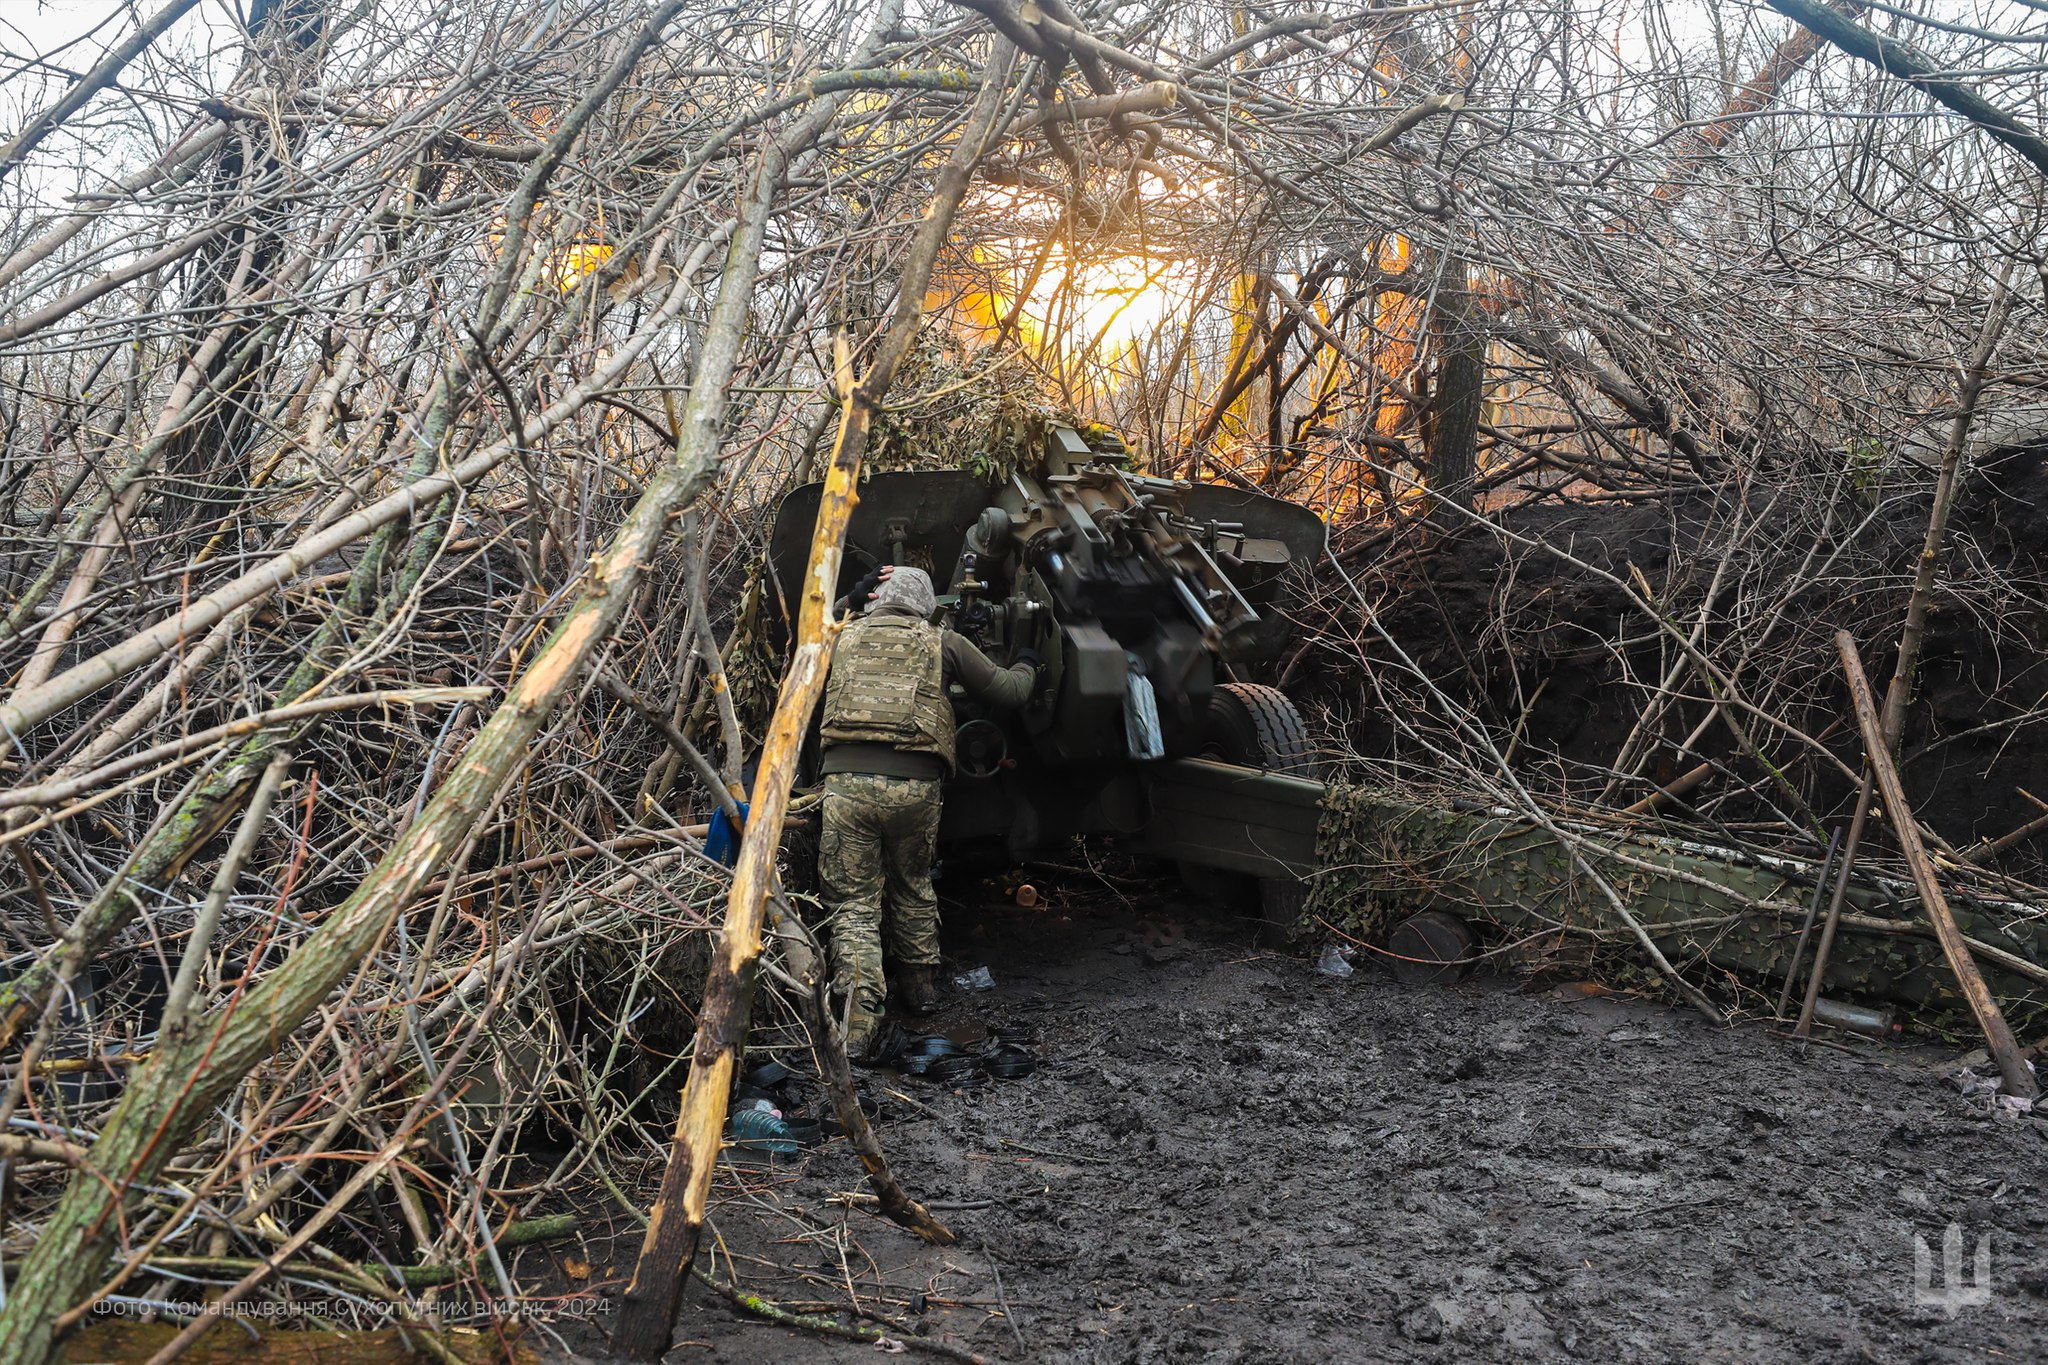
(888,733)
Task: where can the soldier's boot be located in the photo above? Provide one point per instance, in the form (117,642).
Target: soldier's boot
(917,989)
(861,1028)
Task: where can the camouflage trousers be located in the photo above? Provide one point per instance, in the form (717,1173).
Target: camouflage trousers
(875,867)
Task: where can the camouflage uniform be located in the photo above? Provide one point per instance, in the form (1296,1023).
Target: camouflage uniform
(888,733)
(876,849)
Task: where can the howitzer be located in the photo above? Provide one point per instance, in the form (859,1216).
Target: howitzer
(1149,600)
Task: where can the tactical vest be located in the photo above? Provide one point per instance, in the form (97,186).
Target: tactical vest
(888,686)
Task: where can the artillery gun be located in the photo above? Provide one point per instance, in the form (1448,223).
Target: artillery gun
(1150,600)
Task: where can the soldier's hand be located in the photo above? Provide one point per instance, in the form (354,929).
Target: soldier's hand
(1028,655)
(864,591)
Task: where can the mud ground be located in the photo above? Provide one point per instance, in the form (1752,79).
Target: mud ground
(1225,1156)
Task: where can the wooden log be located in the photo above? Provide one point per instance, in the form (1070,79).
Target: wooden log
(647,1314)
(2005,1049)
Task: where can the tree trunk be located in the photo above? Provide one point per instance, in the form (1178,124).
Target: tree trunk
(206,463)
(1460,396)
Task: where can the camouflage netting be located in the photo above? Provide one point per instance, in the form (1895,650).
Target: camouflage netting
(1360,886)
(951,411)
(1377,868)
(1387,858)
(1727,922)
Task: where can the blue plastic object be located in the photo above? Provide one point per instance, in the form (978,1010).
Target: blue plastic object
(722,841)
(761,1130)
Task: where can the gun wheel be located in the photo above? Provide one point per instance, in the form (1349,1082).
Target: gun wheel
(1257,727)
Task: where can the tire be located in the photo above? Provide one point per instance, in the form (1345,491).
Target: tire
(1256,726)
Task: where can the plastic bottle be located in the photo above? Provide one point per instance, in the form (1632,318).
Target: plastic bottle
(762,1130)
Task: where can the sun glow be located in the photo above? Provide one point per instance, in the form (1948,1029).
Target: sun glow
(1079,310)
(1090,304)
(1111,306)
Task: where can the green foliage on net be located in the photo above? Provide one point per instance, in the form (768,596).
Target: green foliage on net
(753,666)
(947,410)
(1382,857)
(1358,888)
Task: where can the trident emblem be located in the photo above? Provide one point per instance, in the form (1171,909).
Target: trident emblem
(1953,1292)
